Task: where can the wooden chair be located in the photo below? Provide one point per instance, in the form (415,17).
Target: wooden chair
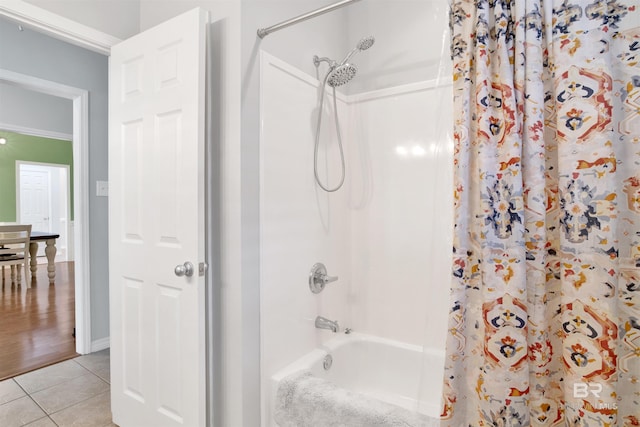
(14,251)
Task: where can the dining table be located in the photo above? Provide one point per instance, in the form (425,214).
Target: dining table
(50,251)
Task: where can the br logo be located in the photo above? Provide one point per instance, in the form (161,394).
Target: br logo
(584,389)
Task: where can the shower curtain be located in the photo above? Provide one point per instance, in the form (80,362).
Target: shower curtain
(544,325)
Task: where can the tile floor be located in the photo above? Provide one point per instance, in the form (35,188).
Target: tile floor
(71,393)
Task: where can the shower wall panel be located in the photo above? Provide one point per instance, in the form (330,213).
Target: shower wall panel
(401,185)
(300,224)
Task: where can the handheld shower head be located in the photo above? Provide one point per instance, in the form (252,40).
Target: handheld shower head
(366,43)
(338,75)
(363,44)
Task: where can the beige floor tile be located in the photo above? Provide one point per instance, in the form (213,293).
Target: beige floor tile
(98,363)
(42,422)
(105,352)
(50,376)
(9,391)
(93,412)
(19,412)
(68,393)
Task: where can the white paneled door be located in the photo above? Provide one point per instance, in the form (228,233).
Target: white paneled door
(35,204)
(156,225)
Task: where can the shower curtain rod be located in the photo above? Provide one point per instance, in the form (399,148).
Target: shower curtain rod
(262,32)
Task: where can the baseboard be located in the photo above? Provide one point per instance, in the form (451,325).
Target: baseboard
(100,344)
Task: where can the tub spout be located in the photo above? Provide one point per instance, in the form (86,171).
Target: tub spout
(323,323)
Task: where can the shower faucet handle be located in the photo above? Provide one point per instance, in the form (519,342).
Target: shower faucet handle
(318,278)
(328,279)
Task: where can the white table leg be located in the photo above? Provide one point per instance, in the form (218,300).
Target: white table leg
(33,252)
(50,252)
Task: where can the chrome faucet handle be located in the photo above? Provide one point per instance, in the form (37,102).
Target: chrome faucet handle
(327,279)
(318,278)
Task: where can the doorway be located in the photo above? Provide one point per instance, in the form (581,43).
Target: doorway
(81,270)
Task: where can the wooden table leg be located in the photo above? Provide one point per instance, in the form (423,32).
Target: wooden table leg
(50,252)
(33,252)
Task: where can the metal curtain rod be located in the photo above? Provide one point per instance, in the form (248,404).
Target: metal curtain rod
(262,32)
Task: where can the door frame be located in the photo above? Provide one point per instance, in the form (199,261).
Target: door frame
(67,189)
(80,98)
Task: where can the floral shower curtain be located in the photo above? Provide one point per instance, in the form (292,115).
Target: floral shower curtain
(544,326)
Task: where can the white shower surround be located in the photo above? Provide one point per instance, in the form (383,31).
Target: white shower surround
(386,234)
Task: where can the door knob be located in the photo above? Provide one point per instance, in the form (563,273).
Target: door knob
(185,269)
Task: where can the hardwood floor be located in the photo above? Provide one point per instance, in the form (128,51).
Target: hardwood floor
(36,324)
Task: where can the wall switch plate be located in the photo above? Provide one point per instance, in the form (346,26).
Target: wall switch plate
(102,188)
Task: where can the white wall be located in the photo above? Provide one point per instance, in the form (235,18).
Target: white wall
(24,108)
(119,18)
(410,42)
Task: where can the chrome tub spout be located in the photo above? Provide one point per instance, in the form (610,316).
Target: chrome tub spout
(323,323)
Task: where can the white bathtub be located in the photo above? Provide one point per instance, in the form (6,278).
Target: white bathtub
(390,371)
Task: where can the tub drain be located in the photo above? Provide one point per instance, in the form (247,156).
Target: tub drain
(327,362)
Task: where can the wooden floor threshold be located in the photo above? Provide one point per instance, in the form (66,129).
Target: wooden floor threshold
(46,362)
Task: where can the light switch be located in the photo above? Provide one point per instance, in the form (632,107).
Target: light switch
(102,188)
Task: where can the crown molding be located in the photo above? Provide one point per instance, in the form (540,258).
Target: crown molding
(43,133)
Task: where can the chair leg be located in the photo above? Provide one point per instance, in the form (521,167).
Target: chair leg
(13,274)
(19,268)
(27,274)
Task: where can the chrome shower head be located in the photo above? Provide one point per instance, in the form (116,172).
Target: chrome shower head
(363,44)
(341,75)
(366,43)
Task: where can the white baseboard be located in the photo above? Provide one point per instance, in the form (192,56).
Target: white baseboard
(100,344)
